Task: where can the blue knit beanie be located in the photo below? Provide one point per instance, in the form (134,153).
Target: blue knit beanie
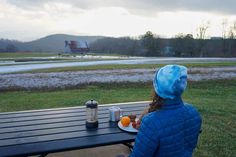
(170,81)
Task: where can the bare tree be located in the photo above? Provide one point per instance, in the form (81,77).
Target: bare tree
(224,28)
(232,31)
(202,29)
(232,37)
(201,35)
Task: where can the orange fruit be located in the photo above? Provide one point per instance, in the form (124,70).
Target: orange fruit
(125,121)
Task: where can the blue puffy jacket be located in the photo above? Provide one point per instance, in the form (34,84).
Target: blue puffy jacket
(169,132)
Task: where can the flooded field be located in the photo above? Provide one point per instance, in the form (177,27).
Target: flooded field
(75,79)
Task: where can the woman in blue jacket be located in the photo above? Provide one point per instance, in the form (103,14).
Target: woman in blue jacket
(171,127)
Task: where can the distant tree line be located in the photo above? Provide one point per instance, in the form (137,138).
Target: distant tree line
(187,46)
(181,45)
(124,45)
(149,44)
(8,45)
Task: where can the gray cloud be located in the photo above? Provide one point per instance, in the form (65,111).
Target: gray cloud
(141,6)
(27,4)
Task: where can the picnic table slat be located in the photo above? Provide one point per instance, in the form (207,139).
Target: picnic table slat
(79,126)
(67,144)
(62,110)
(47,126)
(59,136)
(80,112)
(57,120)
(48,131)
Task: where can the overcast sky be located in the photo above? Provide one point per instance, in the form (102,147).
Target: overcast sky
(31,19)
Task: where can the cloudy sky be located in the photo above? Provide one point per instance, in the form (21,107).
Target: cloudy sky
(31,19)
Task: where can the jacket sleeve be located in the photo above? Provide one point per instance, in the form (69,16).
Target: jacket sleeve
(147,141)
(194,128)
(195,131)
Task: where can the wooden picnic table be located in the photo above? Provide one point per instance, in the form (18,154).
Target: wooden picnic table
(40,132)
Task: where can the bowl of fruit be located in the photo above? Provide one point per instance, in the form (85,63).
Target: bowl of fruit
(129,123)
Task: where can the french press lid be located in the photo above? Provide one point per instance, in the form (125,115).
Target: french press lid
(91,104)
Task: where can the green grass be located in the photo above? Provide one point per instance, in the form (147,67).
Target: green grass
(6,55)
(104,93)
(215,100)
(132,66)
(25,54)
(54,60)
(108,54)
(217,104)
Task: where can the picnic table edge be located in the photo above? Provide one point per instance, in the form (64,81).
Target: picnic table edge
(74,107)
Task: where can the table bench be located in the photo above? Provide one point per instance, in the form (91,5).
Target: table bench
(40,132)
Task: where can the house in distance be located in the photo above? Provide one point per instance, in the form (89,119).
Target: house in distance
(76,46)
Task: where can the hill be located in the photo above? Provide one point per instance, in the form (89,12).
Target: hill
(51,43)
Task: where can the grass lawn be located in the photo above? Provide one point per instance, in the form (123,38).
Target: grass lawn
(45,54)
(131,66)
(215,100)
(25,54)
